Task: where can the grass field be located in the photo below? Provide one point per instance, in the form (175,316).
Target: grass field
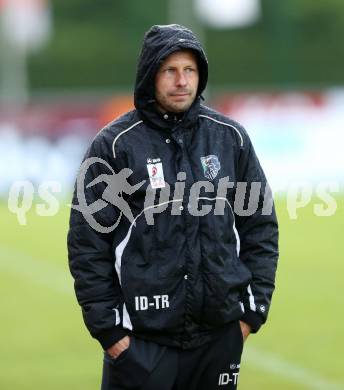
(44,344)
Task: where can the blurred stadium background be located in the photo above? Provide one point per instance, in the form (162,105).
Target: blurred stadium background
(68,67)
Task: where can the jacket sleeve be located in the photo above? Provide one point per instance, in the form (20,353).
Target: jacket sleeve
(258,232)
(90,254)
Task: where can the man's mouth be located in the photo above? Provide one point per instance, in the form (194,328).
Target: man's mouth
(180,94)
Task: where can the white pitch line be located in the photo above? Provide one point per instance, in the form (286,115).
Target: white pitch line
(274,364)
(38,271)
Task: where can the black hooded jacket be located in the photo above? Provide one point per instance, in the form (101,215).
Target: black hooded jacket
(189,254)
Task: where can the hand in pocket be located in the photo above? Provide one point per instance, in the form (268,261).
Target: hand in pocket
(119,347)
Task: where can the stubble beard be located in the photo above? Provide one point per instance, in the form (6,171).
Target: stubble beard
(166,103)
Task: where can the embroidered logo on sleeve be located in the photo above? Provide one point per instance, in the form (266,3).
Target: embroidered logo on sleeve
(155,173)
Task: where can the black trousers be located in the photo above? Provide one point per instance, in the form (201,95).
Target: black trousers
(148,366)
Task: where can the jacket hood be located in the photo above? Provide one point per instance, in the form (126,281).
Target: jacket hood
(159,42)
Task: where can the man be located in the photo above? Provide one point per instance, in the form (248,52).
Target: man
(172,291)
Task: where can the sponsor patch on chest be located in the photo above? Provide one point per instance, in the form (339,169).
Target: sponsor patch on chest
(155,172)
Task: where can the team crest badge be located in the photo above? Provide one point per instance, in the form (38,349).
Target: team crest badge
(211,166)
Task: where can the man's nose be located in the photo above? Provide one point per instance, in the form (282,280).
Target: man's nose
(181,79)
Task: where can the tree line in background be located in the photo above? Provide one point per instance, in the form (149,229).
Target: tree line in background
(96,44)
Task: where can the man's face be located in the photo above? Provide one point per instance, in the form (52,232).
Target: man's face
(176,82)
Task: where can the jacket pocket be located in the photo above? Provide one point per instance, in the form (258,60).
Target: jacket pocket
(223,291)
(132,370)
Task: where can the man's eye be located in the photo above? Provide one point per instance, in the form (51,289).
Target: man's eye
(190,70)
